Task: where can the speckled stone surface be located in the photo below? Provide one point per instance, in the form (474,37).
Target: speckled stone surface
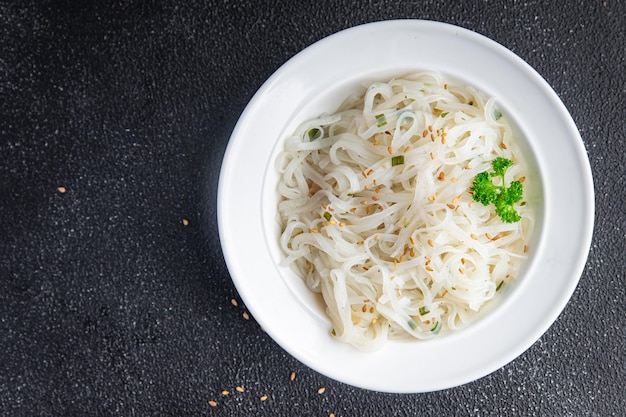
(111,306)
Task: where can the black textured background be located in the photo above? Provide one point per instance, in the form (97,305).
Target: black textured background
(110,306)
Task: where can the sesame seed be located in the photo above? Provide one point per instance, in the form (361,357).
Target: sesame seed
(374,320)
(525,248)
(430,243)
(376,142)
(233,302)
(185,222)
(451,206)
(429,268)
(408,148)
(425,133)
(239,389)
(430,128)
(443,139)
(454,179)
(432,156)
(225,392)
(246,316)
(61,190)
(389,149)
(522,179)
(371,309)
(432,137)
(363,202)
(441,176)
(212,403)
(463,261)
(314,230)
(473,236)
(342,224)
(503,145)
(364,308)
(375,182)
(292,376)
(412,240)
(445,86)
(375,198)
(263,397)
(321,390)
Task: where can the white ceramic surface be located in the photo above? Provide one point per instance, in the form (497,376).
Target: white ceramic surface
(317,80)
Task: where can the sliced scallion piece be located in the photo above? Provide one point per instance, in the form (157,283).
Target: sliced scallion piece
(397,160)
(381,120)
(314,133)
(499,286)
(436,328)
(444,114)
(327,216)
(424,310)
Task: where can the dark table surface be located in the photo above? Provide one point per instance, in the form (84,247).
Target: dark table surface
(110,305)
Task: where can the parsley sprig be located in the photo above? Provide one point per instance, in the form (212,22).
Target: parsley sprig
(486,192)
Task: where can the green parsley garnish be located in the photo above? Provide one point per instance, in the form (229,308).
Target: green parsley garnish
(486,192)
(381,120)
(314,133)
(397,160)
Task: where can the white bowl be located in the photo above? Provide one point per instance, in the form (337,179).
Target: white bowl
(317,80)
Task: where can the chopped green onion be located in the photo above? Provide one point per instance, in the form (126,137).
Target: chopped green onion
(499,286)
(350,194)
(333,332)
(412,324)
(424,310)
(436,328)
(328,216)
(453,288)
(497,115)
(444,114)
(397,160)
(381,120)
(314,133)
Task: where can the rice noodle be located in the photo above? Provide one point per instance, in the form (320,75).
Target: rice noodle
(400,251)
